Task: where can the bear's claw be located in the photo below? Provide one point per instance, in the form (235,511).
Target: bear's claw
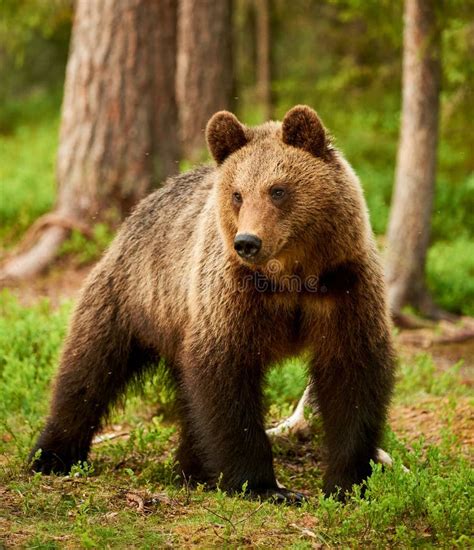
(48,462)
(280,495)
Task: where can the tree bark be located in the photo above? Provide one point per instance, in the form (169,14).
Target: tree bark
(119,84)
(409,224)
(164,50)
(118,135)
(204,80)
(263,32)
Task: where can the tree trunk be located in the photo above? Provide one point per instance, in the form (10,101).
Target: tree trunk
(204,81)
(262,8)
(118,135)
(108,156)
(409,225)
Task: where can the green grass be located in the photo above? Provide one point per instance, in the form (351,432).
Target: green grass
(27,183)
(84,249)
(450,271)
(97,506)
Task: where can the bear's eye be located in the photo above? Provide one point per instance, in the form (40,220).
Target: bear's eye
(277,193)
(237,198)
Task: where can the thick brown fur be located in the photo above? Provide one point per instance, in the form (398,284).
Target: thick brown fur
(172,286)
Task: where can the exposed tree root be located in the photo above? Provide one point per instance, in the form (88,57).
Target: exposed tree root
(426,306)
(446,333)
(422,301)
(403,320)
(40,246)
(37,258)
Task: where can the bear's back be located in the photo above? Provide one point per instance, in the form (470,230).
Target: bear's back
(148,263)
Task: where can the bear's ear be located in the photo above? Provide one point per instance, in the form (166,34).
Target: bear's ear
(224,135)
(303,128)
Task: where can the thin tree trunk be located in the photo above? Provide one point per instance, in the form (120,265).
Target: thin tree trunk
(204,81)
(262,8)
(118,135)
(409,225)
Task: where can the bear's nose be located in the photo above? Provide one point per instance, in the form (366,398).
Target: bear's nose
(247,246)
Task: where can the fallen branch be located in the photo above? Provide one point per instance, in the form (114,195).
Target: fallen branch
(452,333)
(405,321)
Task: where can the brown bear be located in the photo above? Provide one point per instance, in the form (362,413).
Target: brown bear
(224,272)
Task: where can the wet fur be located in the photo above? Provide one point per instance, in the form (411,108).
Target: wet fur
(169,288)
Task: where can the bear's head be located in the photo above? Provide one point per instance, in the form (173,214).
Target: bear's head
(284,193)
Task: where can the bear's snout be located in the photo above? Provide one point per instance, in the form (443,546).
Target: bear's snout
(247,246)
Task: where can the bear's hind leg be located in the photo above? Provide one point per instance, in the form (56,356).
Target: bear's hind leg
(189,465)
(98,360)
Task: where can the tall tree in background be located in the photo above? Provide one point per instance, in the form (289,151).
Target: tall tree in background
(410,217)
(263,40)
(118,134)
(204,81)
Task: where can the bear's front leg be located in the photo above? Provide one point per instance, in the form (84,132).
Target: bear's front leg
(352,378)
(224,409)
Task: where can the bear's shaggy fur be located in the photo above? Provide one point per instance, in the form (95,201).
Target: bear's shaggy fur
(172,286)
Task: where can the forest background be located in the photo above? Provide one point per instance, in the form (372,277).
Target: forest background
(344,58)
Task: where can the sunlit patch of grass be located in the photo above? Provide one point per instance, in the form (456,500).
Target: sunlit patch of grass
(419,376)
(285,385)
(84,249)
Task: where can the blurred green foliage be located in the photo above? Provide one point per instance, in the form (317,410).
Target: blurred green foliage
(27,185)
(34,44)
(87,249)
(450,271)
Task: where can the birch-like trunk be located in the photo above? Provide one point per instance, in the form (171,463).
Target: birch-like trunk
(410,218)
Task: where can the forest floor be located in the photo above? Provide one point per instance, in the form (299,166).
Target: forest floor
(128,497)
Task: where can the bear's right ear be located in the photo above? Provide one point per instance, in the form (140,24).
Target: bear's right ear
(224,135)
(302,128)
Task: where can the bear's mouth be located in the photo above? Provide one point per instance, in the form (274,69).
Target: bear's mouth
(257,261)
(270,258)
(265,260)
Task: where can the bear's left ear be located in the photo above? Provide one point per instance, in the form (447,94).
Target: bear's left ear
(303,128)
(224,135)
